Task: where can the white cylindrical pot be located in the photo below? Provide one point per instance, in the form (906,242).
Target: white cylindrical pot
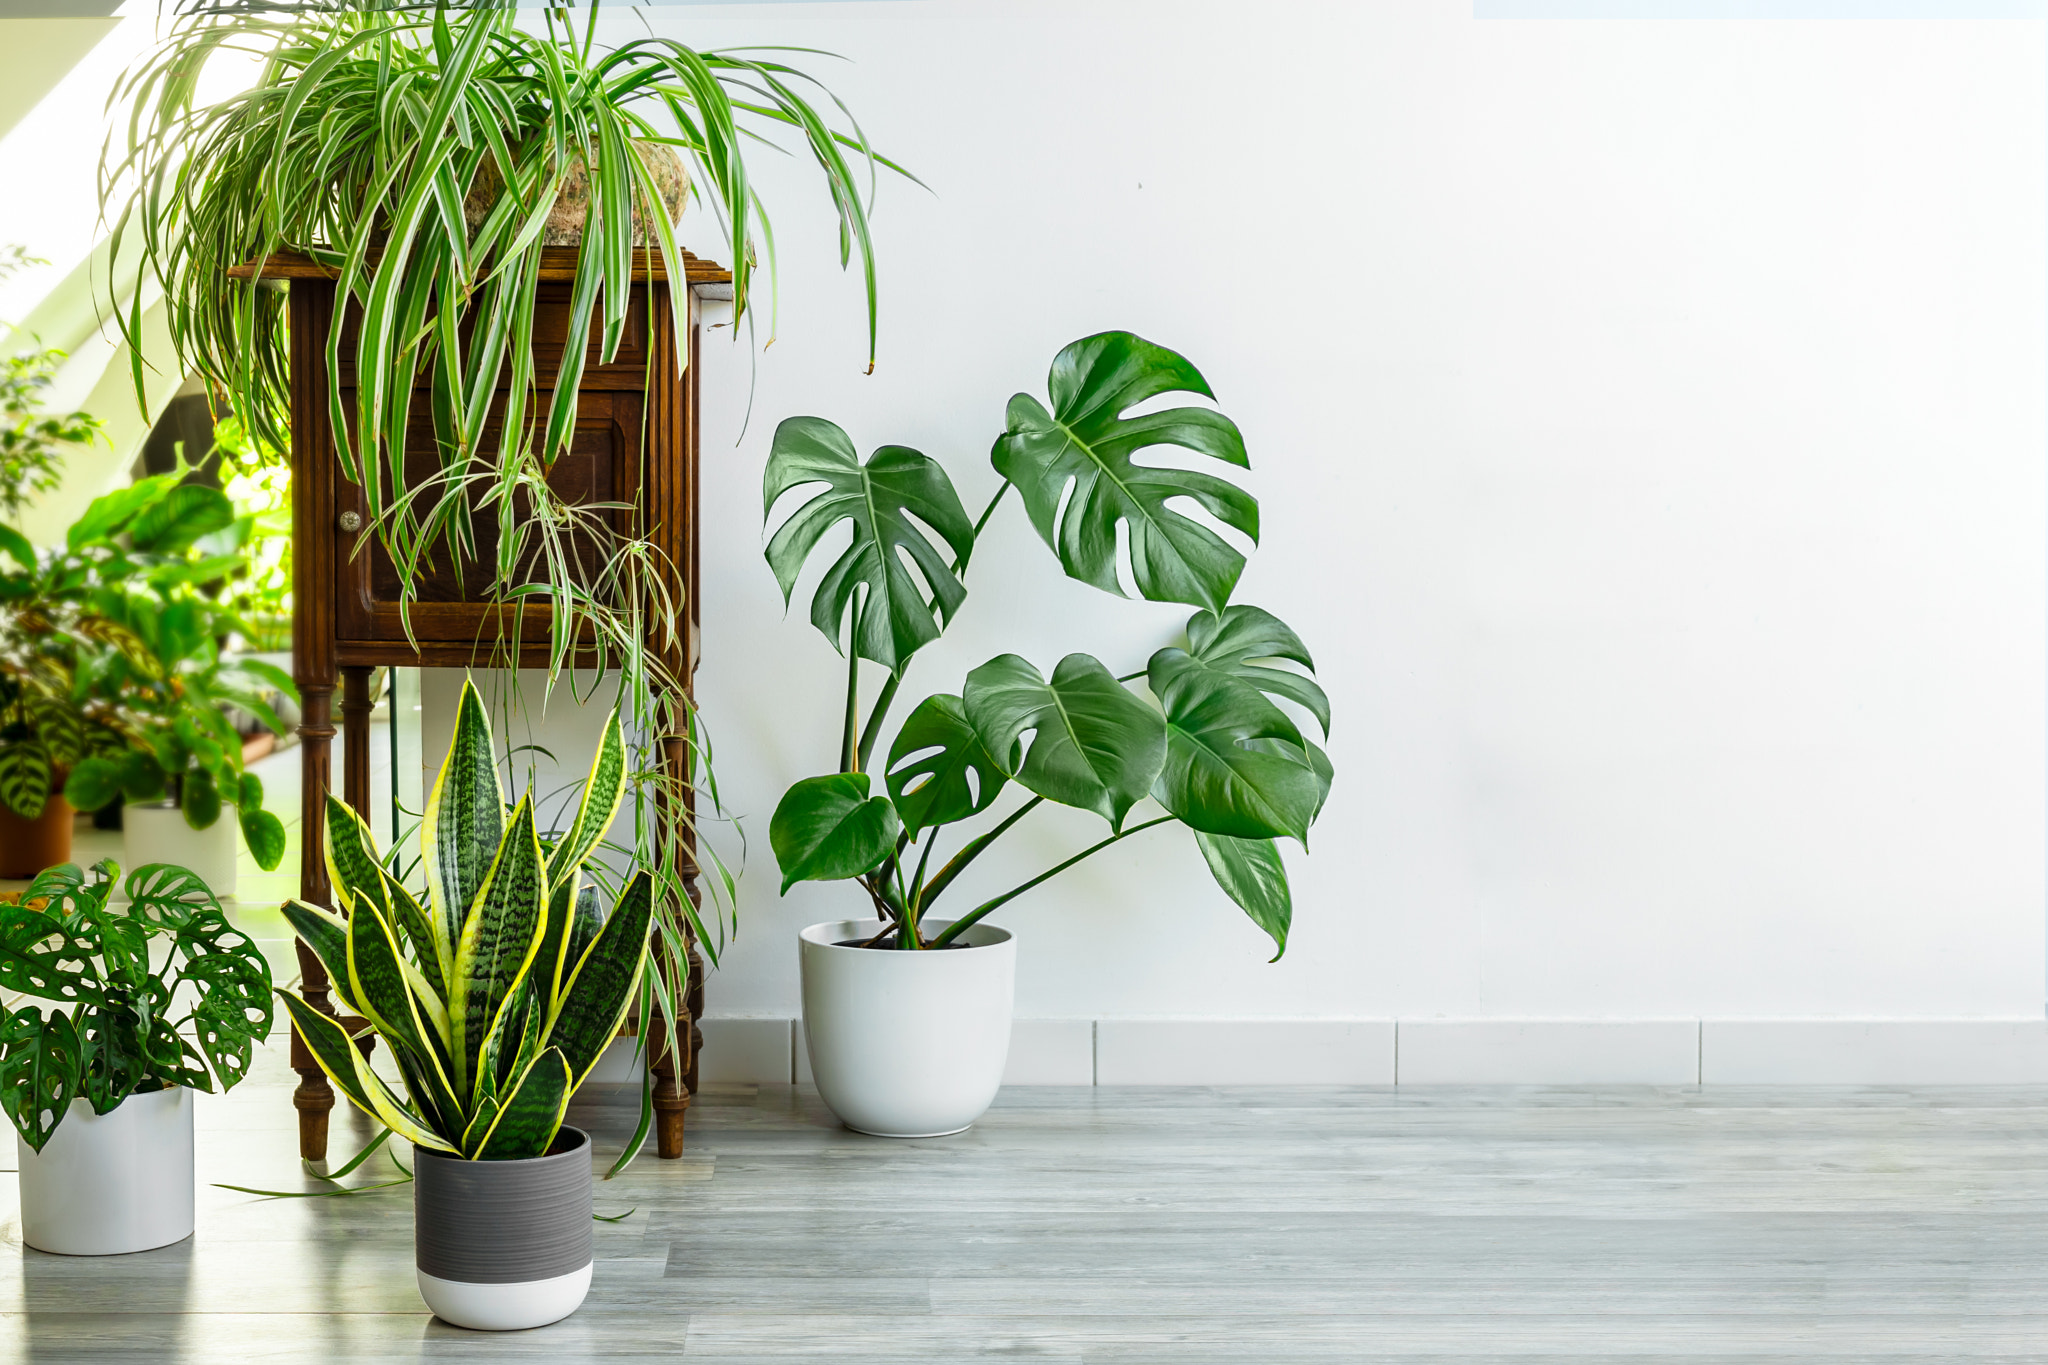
(108,1183)
(157,833)
(907,1044)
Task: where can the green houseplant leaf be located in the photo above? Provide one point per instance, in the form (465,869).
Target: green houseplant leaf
(939,770)
(1230,642)
(42,1065)
(1086,443)
(829,828)
(24,777)
(1214,778)
(181,516)
(1095,745)
(879,498)
(1251,873)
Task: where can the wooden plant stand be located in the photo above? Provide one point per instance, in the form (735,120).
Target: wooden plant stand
(635,443)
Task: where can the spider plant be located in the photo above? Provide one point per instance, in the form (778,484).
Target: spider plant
(420,153)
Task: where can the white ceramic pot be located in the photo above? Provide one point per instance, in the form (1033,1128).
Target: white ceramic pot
(907,1044)
(108,1183)
(157,833)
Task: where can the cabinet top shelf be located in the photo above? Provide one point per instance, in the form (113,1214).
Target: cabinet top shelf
(557,266)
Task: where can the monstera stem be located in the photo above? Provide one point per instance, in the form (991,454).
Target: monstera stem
(975,916)
(927,894)
(849,745)
(873,731)
(960,564)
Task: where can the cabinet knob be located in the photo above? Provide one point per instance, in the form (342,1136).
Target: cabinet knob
(350,522)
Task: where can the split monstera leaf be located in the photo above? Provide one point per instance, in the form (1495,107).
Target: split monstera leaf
(1218,737)
(499,991)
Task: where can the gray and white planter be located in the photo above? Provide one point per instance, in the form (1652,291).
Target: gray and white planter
(110,1183)
(907,1044)
(504,1245)
(157,833)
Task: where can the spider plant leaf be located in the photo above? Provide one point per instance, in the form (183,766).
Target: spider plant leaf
(1251,873)
(600,988)
(531,1112)
(1085,441)
(464,822)
(1094,745)
(939,770)
(879,498)
(498,944)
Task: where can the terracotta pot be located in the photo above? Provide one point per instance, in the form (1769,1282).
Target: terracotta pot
(29,846)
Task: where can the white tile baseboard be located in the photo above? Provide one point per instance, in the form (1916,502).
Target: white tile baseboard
(1548,1052)
(1874,1052)
(1244,1052)
(1460,1052)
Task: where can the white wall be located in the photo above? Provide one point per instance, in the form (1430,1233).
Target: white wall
(1648,419)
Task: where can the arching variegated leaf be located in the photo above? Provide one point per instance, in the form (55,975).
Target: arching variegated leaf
(1095,745)
(603,791)
(1086,444)
(879,498)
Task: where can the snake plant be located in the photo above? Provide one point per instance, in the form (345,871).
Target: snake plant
(499,990)
(1209,745)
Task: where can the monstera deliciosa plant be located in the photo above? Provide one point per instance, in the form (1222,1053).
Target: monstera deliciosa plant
(1206,737)
(123,1019)
(497,991)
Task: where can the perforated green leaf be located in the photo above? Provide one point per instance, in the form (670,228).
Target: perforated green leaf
(1074,466)
(879,498)
(939,770)
(41,1066)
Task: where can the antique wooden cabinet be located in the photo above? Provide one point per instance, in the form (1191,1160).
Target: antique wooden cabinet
(635,444)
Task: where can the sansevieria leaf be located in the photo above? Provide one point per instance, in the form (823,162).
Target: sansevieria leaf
(1076,468)
(326,933)
(600,986)
(336,1052)
(603,791)
(464,819)
(498,943)
(530,1113)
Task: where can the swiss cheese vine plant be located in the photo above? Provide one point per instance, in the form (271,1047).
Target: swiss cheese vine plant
(122,1019)
(1205,738)
(500,988)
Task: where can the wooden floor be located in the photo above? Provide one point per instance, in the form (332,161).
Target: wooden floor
(1162,1225)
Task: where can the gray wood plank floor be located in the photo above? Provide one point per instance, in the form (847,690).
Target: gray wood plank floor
(1166,1225)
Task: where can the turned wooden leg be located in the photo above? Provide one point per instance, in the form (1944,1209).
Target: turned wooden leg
(314,1098)
(355,738)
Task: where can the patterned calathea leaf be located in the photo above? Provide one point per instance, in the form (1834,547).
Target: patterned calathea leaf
(880,497)
(1074,464)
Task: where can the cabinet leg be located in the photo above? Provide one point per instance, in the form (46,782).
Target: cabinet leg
(314,1099)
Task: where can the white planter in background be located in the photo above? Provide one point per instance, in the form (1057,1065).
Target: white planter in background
(109,1183)
(907,1044)
(157,833)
